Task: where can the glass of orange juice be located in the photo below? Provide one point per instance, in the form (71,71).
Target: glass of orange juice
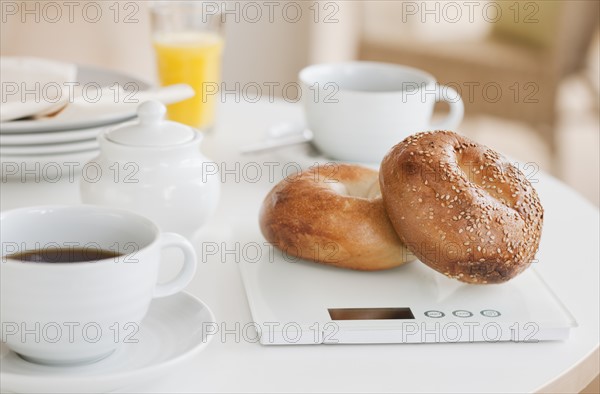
(188,41)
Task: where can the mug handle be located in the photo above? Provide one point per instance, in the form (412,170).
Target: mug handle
(457,108)
(185,275)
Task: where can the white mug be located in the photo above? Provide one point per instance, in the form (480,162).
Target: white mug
(358,110)
(79,312)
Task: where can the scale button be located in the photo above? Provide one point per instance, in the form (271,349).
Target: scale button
(490,313)
(434,314)
(462,313)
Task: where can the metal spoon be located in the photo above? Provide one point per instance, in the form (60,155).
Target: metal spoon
(280,136)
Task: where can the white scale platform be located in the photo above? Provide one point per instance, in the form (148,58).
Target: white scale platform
(307,303)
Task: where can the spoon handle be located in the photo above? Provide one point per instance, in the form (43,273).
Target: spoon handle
(276,143)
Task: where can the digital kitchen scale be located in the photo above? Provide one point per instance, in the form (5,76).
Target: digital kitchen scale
(300,302)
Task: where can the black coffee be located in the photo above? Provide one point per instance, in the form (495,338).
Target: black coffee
(63,255)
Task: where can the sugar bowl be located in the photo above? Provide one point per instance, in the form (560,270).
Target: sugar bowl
(154,167)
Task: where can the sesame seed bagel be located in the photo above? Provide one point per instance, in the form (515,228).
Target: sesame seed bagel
(460,207)
(333,214)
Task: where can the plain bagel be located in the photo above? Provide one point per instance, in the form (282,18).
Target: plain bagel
(333,214)
(460,207)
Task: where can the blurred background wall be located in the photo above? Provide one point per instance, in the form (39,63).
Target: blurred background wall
(528,71)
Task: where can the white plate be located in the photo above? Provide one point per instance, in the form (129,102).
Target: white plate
(50,167)
(64,147)
(29,74)
(86,76)
(172,332)
(50,137)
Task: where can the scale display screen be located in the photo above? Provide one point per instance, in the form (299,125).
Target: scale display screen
(370,314)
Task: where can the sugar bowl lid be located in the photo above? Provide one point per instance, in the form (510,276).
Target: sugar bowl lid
(151,130)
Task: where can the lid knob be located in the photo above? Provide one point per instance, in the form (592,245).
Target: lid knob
(152,129)
(151,112)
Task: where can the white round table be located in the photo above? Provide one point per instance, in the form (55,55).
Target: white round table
(569,259)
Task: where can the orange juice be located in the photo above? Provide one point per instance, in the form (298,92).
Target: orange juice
(193,58)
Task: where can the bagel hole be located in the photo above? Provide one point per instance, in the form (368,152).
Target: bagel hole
(468,164)
(360,189)
(477,175)
(470,169)
(339,188)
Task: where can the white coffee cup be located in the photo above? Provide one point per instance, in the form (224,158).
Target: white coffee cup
(79,312)
(358,110)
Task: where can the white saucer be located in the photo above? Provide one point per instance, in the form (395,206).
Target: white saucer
(46,149)
(51,137)
(171,333)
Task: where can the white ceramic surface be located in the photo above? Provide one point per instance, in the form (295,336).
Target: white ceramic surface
(359,110)
(164,176)
(86,77)
(151,129)
(75,309)
(45,149)
(33,85)
(172,333)
(51,137)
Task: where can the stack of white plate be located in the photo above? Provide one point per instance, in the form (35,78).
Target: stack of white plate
(32,144)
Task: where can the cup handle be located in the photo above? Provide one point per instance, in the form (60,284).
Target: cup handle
(457,108)
(183,278)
